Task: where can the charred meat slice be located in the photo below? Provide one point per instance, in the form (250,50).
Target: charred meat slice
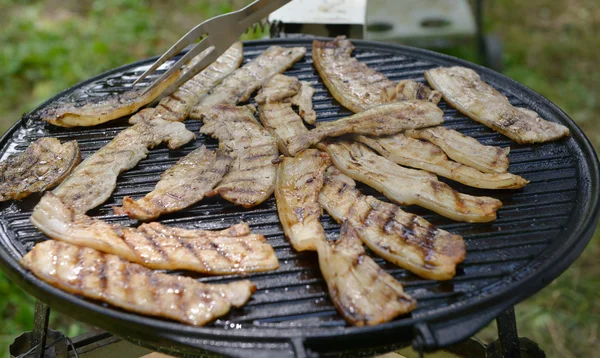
(234,250)
(388,118)
(244,81)
(465,149)
(251,177)
(181,186)
(363,293)
(464,89)
(299,181)
(407,89)
(108,278)
(43,165)
(404,239)
(414,153)
(303,99)
(93,181)
(354,84)
(409,186)
(177,106)
(96,110)
(275,110)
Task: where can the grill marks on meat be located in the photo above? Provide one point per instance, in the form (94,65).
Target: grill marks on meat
(97,110)
(177,106)
(278,88)
(251,178)
(465,149)
(464,90)
(404,239)
(181,186)
(234,250)
(363,293)
(409,186)
(407,89)
(414,153)
(299,181)
(93,181)
(354,84)
(108,278)
(43,165)
(243,82)
(275,110)
(388,118)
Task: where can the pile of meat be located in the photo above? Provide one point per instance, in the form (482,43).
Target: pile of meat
(395,142)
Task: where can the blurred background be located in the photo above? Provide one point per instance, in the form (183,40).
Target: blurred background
(552,46)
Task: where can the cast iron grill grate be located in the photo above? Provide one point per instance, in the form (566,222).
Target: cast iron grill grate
(291,310)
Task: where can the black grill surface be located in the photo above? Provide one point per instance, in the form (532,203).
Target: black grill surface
(540,230)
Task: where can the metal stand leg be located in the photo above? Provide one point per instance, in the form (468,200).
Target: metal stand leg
(507,334)
(40,327)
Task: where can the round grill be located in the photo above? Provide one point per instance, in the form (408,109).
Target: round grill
(540,230)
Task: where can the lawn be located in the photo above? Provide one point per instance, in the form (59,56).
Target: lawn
(550,46)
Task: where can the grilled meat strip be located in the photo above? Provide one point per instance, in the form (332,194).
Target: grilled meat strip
(177,106)
(108,278)
(181,186)
(244,81)
(278,88)
(407,89)
(404,239)
(299,181)
(464,89)
(388,118)
(363,293)
(409,186)
(414,153)
(303,99)
(251,178)
(43,165)
(93,181)
(234,250)
(465,149)
(96,110)
(354,84)
(275,110)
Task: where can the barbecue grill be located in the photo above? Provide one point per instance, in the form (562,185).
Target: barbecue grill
(540,231)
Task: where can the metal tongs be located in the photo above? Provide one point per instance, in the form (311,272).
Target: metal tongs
(219,32)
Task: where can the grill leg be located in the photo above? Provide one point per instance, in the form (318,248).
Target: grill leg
(508,338)
(40,327)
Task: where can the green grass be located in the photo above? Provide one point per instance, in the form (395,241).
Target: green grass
(550,46)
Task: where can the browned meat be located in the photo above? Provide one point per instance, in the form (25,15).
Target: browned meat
(96,110)
(464,89)
(354,84)
(251,178)
(177,106)
(363,293)
(181,186)
(299,181)
(108,278)
(243,82)
(303,99)
(234,250)
(464,149)
(414,153)
(407,89)
(278,88)
(409,186)
(275,110)
(93,181)
(404,239)
(388,118)
(43,165)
